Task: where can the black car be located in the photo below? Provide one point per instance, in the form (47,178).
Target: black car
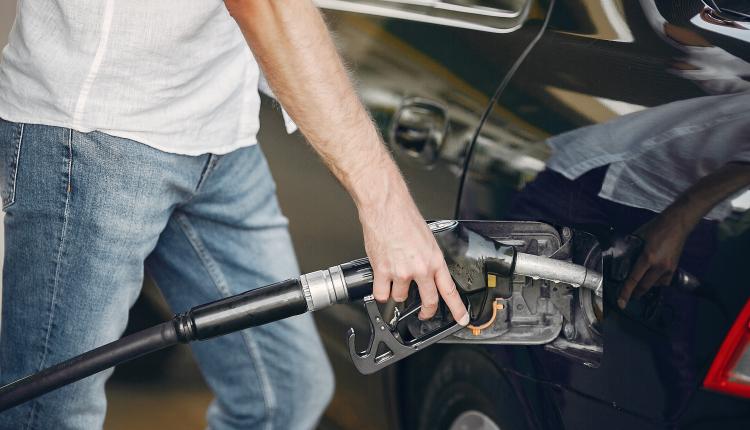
(469,95)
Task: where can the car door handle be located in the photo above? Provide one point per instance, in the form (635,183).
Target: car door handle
(418,129)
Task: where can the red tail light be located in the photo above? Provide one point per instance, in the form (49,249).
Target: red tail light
(730,371)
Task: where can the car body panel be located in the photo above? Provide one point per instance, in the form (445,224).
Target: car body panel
(598,60)
(575,77)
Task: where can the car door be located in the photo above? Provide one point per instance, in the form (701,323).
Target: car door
(426,71)
(599,61)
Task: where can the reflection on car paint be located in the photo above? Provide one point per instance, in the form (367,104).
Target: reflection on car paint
(597,64)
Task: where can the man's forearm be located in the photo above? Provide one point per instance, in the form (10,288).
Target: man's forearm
(292,45)
(709,191)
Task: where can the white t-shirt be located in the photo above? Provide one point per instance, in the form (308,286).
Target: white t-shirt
(173,74)
(656,154)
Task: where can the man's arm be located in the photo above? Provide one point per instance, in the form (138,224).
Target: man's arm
(665,235)
(293,47)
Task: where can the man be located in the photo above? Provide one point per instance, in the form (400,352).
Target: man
(127,137)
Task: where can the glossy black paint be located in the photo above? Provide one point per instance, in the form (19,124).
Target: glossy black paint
(597,61)
(640,382)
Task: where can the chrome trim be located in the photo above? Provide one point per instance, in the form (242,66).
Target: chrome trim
(341,294)
(306,291)
(317,285)
(473,419)
(477,10)
(442,225)
(380,8)
(324,288)
(539,267)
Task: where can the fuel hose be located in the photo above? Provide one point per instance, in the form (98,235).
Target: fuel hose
(312,291)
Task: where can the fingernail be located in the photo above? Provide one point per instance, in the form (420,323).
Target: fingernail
(464,321)
(622,303)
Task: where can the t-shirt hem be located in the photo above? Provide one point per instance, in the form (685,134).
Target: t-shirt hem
(218,150)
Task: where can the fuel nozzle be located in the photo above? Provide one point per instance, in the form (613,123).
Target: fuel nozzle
(477,264)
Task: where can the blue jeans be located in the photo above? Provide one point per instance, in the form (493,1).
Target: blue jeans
(86,212)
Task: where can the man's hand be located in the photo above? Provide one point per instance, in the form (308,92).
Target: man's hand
(663,240)
(291,43)
(665,235)
(402,249)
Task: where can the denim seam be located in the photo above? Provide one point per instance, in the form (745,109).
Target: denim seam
(12,198)
(210,166)
(58,264)
(269,398)
(14,170)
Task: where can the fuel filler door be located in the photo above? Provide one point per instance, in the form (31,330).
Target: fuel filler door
(526,310)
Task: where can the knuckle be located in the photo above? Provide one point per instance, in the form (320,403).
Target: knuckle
(421,272)
(429,303)
(437,257)
(401,277)
(379,273)
(429,297)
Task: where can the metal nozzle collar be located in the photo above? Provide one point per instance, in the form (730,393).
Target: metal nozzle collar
(324,288)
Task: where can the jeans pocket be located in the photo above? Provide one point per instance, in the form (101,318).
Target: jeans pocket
(11,137)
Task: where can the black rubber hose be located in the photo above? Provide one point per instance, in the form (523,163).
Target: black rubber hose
(249,309)
(89,363)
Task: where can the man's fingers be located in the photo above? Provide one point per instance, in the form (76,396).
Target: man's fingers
(450,296)
(639,269)
(666,279)
(400,289)
(428,295)
(381,287)
(647,281)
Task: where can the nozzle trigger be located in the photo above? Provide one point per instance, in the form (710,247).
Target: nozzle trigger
(383,332)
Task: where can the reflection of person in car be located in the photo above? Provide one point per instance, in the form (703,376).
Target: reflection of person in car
(664,173)
(665,235)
